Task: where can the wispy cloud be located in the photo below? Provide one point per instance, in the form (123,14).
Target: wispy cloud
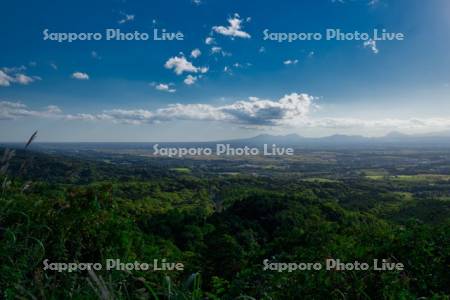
(125,18)
(371,3)
(14,110)
(11,75)
(210,41)
(290,62)
(372,45)
(219,50)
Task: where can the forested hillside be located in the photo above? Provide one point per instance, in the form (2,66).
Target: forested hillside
(221,227)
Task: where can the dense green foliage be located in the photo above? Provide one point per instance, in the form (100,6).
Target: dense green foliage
(221,227)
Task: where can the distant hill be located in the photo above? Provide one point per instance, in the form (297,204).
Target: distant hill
(342,140)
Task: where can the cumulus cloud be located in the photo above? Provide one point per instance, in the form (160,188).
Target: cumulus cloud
(233,29)
(196,53)
(372,45)
(180,64)
(189,80)
(257,111)
(292,110)
(80,76)
(165,87)
(251,112)
(14,110)
(9,76)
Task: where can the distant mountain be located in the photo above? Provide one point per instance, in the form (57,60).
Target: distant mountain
(269,139)
(396,135)
(393,138)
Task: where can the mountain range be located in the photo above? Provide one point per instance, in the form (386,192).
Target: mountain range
(392,138)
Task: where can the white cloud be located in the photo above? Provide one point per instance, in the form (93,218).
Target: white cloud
(268,112)
(262,49)
(247,114)
(196,53)
(14,110)
(252,112)
(218,50)
(54,66)
(24,79)
(126,18)
(209,41)
(372,45)
(12,75)
(290,62)
(180,64)
(234,29)
(14,69)
(197,2)
(5,79)
(427,124)
(81,117)
(369,2)
(228,70)
(80,76)
(165,87)
(189,80)
(292,110)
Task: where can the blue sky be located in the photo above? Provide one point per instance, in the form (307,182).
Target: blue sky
(236,85)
